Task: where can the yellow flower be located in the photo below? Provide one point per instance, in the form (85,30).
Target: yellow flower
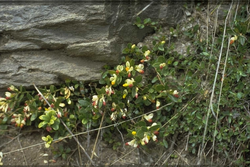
(125,92)
(233,39)
(133,46)
(129,82)
(162,42)
(162,65)
(67,92)
(134,133)
(113,79)
(128,68)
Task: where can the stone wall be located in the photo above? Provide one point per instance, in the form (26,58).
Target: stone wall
(46,43)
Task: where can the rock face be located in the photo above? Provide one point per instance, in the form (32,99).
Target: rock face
(48,43)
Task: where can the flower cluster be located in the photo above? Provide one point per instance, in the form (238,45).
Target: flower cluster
(147,135)
(18,120)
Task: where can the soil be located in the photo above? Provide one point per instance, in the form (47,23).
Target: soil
(25,147)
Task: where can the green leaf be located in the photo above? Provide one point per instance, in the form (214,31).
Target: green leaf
(205,53)
(140,124)
(242,40)
(21,97)
(33,116)
(133,91)
(172,98)
(147,20)
(141,26)
(151,90)
(51,88)
(56,124)
(161,59)
(84,121)
(84,103)
(138,79)
(29,96)
(138,20)
(140,134)
(170,60)
(165,143)
(154,79)
(159,88)
(46,118)
(176,63)
(102,81)
(42,124)
(154,128)
(161,48)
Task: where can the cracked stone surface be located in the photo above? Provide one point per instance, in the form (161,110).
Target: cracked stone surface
(47,43)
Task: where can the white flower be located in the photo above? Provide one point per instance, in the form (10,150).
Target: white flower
(95,100)
(26,108)
(154,138)
(175,92)
(108,90)
(132,143)
(146,53)
(71,88)
(62,105)
(8,94)
(140,68)
(113,116)
(149,117)
(153,124)
(158,103)
(119,68)
(145,139)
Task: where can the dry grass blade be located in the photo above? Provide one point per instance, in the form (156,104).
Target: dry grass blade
(213,90)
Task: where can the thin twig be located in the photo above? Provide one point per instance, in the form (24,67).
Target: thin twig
(93,151)
(10,140)
(123,142)
(77,141)
(122,156)
(159,158)
(22,151)
(181,157)
(167,158)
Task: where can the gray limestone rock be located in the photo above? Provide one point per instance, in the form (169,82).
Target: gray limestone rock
(49,42)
